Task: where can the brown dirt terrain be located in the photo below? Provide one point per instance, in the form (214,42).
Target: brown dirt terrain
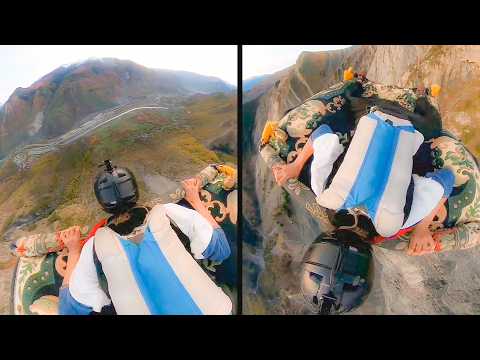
(57,191)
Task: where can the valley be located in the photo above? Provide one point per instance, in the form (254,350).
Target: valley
(24,157)
(162,136)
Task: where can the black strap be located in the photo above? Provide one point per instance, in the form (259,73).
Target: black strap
(108,309)
(186,242)
(336,167)
(100,273)
(181,236)
(408,202)
(393,110)
(326,307)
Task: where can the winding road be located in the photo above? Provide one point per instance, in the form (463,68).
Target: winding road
(24,157)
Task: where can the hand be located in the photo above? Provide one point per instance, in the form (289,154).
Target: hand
(421,242)
(192,189)
(283,172)
(71,238)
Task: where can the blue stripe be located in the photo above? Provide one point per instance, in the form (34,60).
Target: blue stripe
(321,130)
(218,248)
(444,177)
(376,117)
(375,171)
(69,306)
(408,128)
(161,289)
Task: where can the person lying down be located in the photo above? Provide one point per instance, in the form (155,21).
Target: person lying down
(434,221)
(146,267)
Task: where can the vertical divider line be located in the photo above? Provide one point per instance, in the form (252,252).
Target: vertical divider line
(239,182)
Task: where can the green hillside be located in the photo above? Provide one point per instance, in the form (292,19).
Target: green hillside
(57,189)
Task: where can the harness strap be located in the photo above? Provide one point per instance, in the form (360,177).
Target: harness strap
(98,266)
(326,307)
(108,309)
(408,201)
(100,273)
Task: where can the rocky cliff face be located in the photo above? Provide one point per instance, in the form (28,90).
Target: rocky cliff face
(58,101)
(280,231)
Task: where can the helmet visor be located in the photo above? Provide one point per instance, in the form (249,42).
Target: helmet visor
(126,190)
(106,196)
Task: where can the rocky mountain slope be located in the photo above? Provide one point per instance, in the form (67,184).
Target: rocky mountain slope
(279,231)
(58,101)
(162,138)
(262,84)
(250,83)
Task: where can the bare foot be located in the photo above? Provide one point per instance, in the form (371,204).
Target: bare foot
(283,172)
(421,242)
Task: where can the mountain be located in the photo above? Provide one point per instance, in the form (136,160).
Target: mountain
(58,101)
(259,85)
(277,239)
(163,125)
(249,83)
(454,68)
(160,146)
(200,84)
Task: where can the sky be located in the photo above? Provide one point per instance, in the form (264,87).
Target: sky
(267,59)
(21,66)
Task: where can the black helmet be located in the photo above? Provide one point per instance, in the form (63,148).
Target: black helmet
(115,188)
(335,272)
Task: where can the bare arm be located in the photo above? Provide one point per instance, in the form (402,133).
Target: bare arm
(283,172)
(305,153)
(71,239)
(192,195)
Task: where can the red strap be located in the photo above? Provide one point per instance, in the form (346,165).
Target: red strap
(379,239)
(21,250)
(92,232)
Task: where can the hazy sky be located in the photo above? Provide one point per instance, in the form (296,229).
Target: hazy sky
(267,59)
(21,66)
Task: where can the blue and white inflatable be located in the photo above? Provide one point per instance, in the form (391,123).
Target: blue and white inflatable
(157,276)
(376,171)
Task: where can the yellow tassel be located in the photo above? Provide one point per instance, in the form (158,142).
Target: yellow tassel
(268,131)
(227,170)
(348,74)
(280,135)
(435,90)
